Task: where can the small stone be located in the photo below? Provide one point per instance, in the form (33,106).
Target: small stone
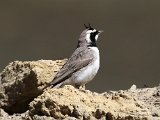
(133,88)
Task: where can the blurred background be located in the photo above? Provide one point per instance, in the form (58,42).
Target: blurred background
(49,29)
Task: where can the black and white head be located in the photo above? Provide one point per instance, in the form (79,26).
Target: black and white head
(89,36)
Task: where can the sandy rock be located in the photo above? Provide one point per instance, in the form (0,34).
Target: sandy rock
(21,82)
(133,88)
(23,97)
(82,104)
(3,113)
(6,116)
(151,98)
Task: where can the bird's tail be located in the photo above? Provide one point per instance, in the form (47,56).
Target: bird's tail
(50,85)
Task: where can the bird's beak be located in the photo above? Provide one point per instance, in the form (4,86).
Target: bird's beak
(100,31)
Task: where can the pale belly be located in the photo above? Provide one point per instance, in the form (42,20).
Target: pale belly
(86,74)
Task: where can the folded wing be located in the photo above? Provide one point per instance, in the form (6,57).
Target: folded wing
(78,60)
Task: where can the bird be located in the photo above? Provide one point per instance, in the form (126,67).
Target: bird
(83,64)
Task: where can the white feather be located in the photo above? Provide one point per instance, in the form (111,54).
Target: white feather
(88,38)
(88,33)
(96,37)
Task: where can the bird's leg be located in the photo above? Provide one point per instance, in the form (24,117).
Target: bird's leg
(81,87)
(76,86)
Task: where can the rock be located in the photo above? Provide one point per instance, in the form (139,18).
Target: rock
(23,97)
(151,99)
(68,101)
(22,116)
(133,88)
(21,82)
(3,113)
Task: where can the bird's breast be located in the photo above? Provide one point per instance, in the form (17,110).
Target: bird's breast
(87,73)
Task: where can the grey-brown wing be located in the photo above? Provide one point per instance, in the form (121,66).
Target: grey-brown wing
(78,60)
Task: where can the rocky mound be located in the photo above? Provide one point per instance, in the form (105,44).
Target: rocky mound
(83,104)
(21,82)
(23,97)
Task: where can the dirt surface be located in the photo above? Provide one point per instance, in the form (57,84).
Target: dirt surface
(23,97)
(21,82)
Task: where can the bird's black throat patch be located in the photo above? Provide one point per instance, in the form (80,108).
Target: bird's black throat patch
(93,39)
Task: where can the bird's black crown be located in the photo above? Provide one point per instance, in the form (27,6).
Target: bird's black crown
(88,27)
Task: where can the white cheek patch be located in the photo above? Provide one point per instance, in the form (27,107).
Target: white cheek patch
(88,34)
(96,37)
(88,38)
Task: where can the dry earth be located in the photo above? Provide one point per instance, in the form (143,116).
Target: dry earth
(23,97)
